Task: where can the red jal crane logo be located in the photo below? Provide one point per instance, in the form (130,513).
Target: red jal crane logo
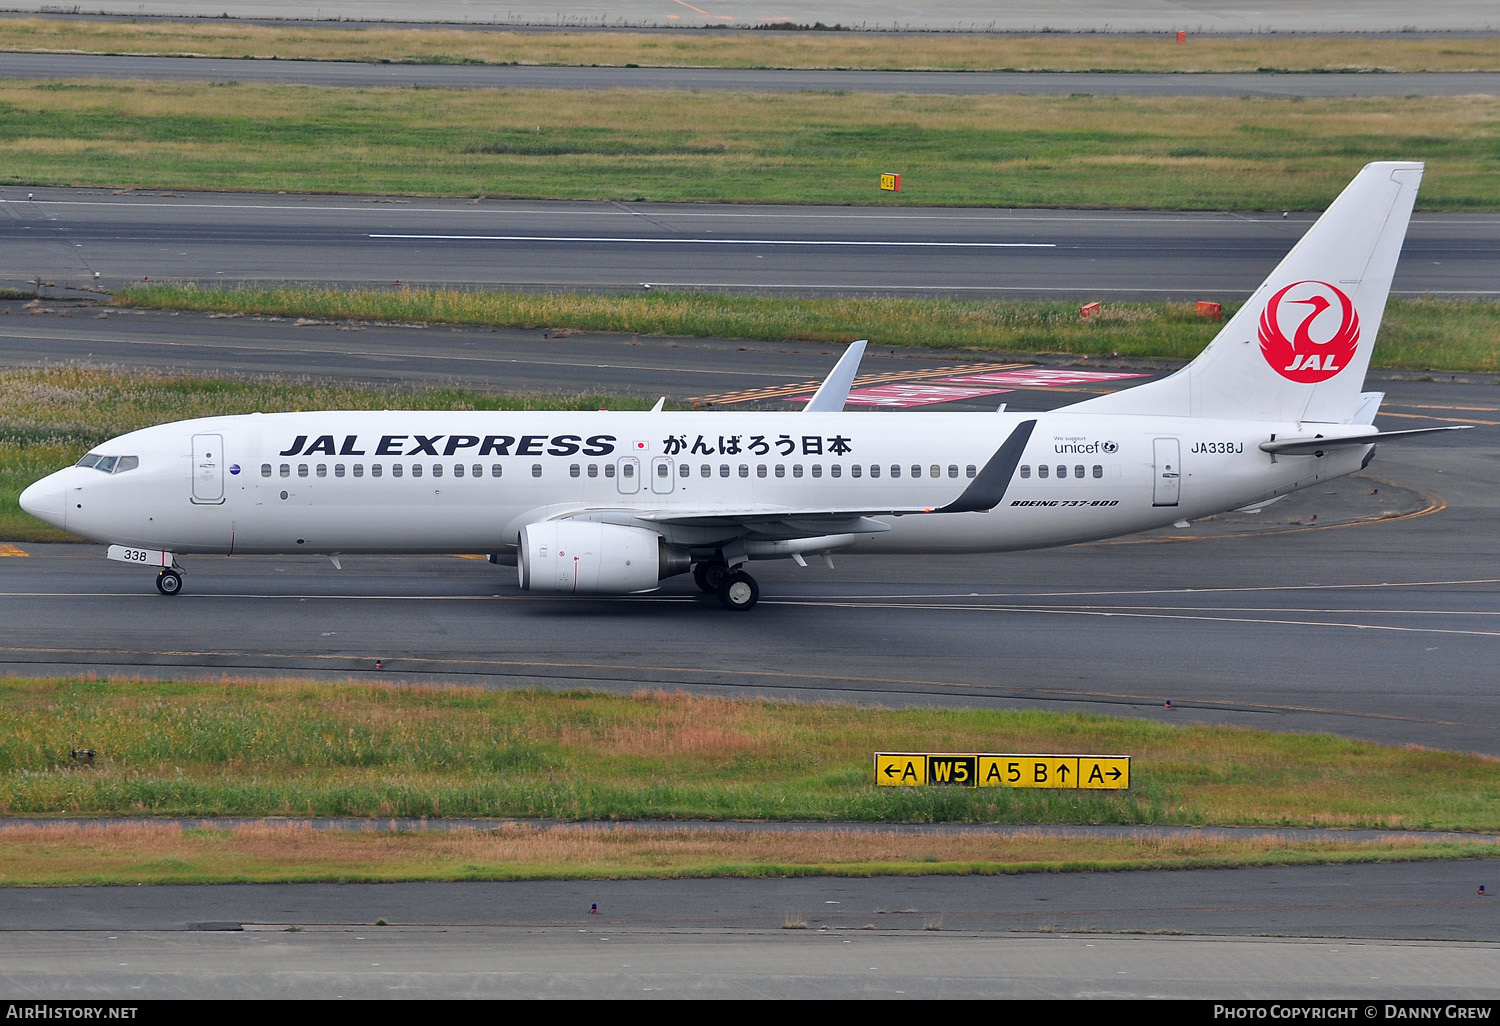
(1303,358)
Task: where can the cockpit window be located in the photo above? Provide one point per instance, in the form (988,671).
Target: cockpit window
(109,464)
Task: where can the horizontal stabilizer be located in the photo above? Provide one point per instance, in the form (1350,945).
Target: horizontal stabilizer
(1306,446)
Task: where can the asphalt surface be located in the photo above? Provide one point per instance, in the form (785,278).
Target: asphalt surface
(751,80)
(70,235)
(1040,936)
(1320,626)
(1362,626)
(1373,622)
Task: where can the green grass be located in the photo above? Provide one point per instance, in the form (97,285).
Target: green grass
(317,749)
(50,417)
(1082,151)
(1415,334)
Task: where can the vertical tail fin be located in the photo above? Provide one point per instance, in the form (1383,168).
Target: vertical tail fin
(1299,347)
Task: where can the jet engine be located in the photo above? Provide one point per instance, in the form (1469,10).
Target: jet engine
(586,557)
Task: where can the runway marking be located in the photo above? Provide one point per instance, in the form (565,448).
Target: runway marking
(11,550)
(873,243)
(863,381)
(1419,406)
(1445,420)
(132,201)
(1127,612)
(1435,504)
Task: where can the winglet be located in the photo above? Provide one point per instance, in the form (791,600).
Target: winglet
(830,396)
(986,490)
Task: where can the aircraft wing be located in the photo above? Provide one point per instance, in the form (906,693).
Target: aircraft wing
(983,492)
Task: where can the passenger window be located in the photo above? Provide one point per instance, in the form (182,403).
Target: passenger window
(458,470)
(835,470)
(969,471)
(1041,471)
(359,470)
(593,470)
(265,470)
(855,470)
(478,470)
(937,471)
(796,470)
(437,470)
(322,470)
(495,469)
(338,470)
(416,470)
(723,470)
(1025,471)
(874,469)
(895,470)
(396,470)
(817,470)
(375,470)
(705,471)
(609,470)
(781,470)
(1078,472)
(302,470)
(760,470)
(1098,470)
(744,470)
(536,470)
(628,470)
(662,470)
(1062,472)
(916,471)
(953,470)
(684,471)
(574,471)
(286,470)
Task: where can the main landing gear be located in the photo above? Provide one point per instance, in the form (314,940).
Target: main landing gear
(169,581)
(736,589)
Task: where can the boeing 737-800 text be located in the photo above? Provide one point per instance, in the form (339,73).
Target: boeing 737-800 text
(613,503)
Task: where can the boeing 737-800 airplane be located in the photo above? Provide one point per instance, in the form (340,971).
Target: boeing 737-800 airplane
(613,503)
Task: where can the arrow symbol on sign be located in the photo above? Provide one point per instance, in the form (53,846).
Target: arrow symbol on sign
(891,771)
(1062,771)
(1114,774)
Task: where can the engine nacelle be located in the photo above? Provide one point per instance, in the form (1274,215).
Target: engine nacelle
(585,557)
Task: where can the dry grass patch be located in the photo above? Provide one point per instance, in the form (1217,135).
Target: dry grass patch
(167,853)
(736,49)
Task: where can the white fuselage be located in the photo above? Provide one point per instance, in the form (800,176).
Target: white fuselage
(414,482)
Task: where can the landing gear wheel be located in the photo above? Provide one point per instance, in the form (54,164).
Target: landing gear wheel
(708,575)
(169,582)
(738,591)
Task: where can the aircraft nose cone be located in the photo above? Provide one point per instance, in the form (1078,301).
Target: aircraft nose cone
(47,500)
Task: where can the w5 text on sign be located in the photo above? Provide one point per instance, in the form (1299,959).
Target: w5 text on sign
(946,769)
